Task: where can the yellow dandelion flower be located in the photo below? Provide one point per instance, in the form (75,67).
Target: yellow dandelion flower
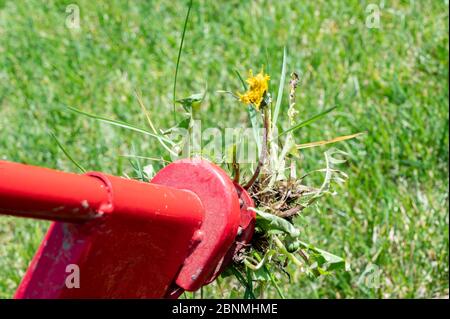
(258,86)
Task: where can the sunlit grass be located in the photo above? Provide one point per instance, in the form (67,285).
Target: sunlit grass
(389,82)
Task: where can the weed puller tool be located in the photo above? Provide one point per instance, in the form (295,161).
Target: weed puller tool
(129,239)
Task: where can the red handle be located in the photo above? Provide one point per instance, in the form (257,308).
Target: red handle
(43,193)
(130,239)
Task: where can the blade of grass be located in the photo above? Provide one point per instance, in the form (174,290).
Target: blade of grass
(144,109)
(150,123)
(119,124)
(244,86)
(253,114)
(63,149)
(309,121)
(249,290)
(280,91)
(267,59)
(145,157)
(242,280)
(178,59)
(325,142)
(136,165)
(274,282)
(271,277)
(228,92)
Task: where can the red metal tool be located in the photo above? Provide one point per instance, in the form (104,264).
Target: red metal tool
(129,239)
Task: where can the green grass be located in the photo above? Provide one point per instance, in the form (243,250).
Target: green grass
(391,82)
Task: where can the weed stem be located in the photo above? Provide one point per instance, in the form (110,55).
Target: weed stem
(262,158)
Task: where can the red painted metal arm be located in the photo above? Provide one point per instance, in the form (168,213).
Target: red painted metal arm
(43,193)
(130,239)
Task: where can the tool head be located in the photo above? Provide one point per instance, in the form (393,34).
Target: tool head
(227,225)
(128,239)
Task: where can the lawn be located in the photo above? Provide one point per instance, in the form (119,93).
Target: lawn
(390,220)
